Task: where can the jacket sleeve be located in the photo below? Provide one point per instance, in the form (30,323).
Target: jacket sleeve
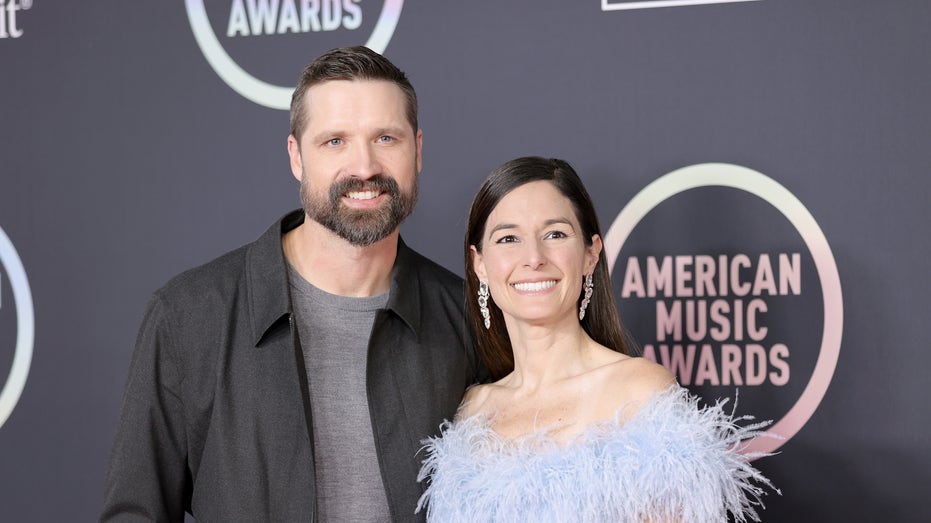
(148,476)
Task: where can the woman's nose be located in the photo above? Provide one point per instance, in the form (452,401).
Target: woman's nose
(534,257)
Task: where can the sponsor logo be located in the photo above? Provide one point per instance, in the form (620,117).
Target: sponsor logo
(726,279)
(9,19)
(283,25)
(18,313)
(618,5)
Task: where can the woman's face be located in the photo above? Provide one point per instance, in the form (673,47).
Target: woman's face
(534,256)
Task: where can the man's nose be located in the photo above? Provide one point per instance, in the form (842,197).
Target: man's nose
(364,162)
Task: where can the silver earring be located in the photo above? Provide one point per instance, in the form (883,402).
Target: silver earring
(483,302)
(589,288)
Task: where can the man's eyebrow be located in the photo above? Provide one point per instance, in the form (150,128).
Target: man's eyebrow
(326,134)
(391,129)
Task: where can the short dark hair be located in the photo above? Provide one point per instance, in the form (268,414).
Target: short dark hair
(601,322)
(349,63)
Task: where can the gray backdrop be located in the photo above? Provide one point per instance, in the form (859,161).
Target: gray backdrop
(124,159)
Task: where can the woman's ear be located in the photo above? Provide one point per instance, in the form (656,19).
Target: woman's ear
(593,251)
(478,263)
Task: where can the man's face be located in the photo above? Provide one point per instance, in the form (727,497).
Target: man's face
(358,159)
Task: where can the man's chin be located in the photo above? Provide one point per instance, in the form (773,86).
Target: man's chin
(365,240)
(363,211)
(364,228)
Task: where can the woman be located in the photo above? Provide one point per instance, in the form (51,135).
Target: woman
(574,429)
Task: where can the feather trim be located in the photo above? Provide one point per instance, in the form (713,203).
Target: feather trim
(672,461)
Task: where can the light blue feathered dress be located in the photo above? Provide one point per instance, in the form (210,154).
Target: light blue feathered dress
(672,461)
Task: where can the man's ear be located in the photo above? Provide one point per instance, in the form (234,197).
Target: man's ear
(419,150)
(294,154)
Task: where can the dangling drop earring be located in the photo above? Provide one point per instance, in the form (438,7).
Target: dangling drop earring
(483,302)
(589,288)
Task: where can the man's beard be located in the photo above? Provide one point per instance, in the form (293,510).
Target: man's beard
(360,227)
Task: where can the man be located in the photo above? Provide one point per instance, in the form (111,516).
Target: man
(294,378)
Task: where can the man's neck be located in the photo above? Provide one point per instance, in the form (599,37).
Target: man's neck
(334,265)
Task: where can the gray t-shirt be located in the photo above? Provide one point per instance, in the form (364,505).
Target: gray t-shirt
(334,332)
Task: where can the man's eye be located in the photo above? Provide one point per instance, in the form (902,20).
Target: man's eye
(334,141)
(385,139)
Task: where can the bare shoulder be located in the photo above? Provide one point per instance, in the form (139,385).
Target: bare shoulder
(645,378)
(473,400)
(631,383)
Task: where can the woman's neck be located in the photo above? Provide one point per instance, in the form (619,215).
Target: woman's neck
(544,355)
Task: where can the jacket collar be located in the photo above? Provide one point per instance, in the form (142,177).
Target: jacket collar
(404,297)
(269,294)
(267,277)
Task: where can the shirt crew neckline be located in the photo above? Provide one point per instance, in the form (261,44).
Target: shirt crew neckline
(321,297)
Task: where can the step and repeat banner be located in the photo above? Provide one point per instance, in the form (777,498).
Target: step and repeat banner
(760,169)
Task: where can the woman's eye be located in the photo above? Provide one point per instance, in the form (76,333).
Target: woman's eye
(510,238)
(556,235)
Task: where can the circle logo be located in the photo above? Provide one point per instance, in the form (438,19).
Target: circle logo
(25,326)
(732,301)
(262,14)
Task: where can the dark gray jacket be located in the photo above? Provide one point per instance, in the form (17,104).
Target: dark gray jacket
(216,414)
